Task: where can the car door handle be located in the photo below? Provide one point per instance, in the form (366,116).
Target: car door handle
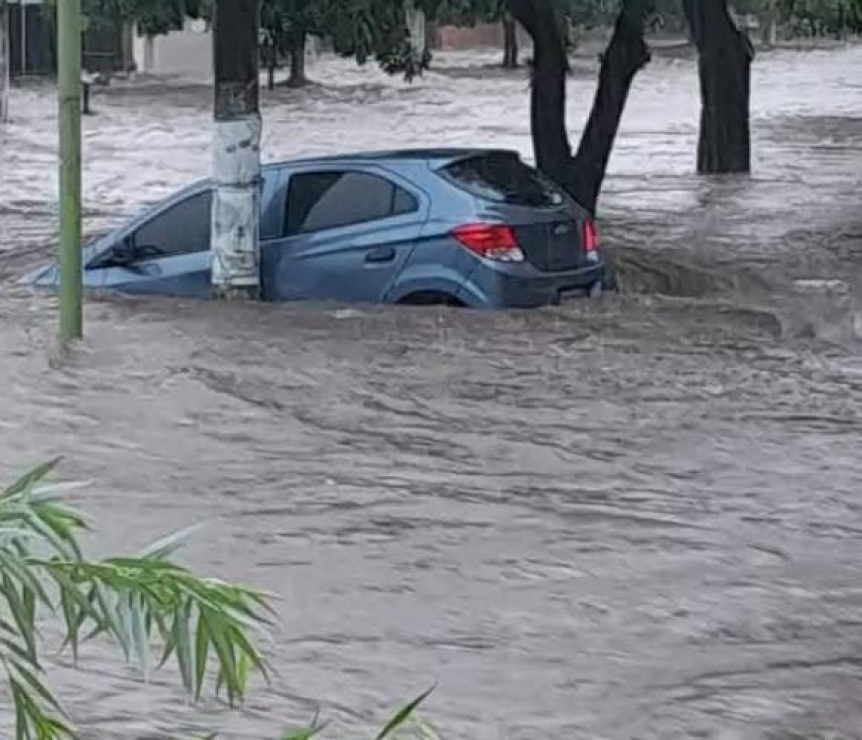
(384,254)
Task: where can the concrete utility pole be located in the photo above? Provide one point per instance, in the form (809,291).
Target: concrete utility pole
(236,151)
(69,83)
(4,61)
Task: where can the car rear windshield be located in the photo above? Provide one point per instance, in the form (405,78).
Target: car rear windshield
(504,178)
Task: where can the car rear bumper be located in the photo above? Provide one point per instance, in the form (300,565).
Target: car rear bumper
(510,286)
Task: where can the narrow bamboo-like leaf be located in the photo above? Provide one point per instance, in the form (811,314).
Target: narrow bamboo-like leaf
(56,526)
(122,612)
(225,652)
(17,651)
(249,651)
(31,721)
(403,714)
(183,640)
(14,567)
(53,491)
(110,619)
(26,628)
(306,733)
(198,592)
(26,482)
(34,684)
(242,667)
(75,605)
(73,623)
(29,604)
(168,651)
(140,633)
(168,545)
(10,535)
(202,643)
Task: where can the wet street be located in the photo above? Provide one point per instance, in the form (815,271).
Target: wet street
(631,518)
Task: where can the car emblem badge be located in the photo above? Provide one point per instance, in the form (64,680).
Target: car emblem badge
(561,229)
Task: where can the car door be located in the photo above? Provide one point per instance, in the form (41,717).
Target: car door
(347,232)
(167,254)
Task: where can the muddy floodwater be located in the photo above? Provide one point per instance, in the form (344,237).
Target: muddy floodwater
(636,517)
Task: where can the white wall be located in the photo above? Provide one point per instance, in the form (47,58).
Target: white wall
(187,53)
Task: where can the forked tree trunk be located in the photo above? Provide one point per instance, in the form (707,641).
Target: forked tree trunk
(510,42)
(580,175)
(4,61)
(725,55)
(297,41)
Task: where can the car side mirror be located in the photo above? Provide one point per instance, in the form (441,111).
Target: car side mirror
(122,254)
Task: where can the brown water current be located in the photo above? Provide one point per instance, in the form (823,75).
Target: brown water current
(636,517)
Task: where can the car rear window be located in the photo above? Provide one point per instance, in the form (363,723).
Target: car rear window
(504,178)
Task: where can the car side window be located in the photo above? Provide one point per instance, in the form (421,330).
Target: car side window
(182,229)
(327,200)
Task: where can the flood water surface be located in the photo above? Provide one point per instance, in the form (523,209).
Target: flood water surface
(636,517)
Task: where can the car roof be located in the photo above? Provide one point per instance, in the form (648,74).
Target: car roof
(438,154)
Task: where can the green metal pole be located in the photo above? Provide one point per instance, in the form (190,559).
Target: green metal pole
(69,83)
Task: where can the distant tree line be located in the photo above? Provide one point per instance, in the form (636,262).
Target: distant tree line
(374,29)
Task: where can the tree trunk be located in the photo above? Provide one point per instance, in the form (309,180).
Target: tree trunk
(724,64)
(510,42)
(580,175)
(297,41)
(4,61)
(768,23)
(236,151)
(271,63)
(432,33)
(127,47)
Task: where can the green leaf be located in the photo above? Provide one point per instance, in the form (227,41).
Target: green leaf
(168,545)
(26,482)
(182,639)
(225,651)
(201,650)
(125,598)
(403,715)
(140,632)
(306,733)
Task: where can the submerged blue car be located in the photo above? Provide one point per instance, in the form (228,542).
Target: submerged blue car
(463,227)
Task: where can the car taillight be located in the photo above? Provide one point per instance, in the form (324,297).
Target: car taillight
(492,241)
(591,239)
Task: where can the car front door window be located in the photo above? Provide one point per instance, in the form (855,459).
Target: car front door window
(184,228)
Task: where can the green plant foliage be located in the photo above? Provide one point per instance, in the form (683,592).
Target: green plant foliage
(402,725)
(139,601)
